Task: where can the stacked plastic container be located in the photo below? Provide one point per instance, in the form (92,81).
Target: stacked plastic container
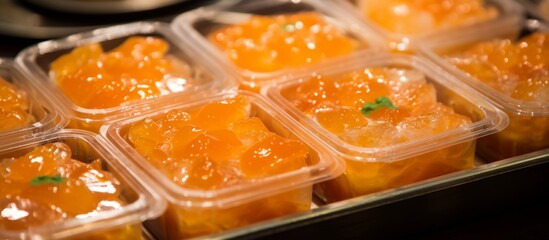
(327,167)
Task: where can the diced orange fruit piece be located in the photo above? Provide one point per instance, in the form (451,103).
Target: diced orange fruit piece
(273,155)
(271,43)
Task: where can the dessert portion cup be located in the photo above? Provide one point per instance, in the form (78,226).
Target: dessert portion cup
(101,75)
(218,174)
(122,222)
(382,155)
(411,25)
(529,118)
(262,41)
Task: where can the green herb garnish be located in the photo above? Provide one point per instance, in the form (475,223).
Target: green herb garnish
(55,179)
(290,27)
(368,108)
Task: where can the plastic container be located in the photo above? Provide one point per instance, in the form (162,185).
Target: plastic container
(202,75)
(197,211)
(119,223)
(507,11)
(538,9)
(396,163)
(527,131)
(199,24)
(45,117)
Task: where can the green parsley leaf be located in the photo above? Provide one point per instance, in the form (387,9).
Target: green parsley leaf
(368,108)
(290,27)
(44,179)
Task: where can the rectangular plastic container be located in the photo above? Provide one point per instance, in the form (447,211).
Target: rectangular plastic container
(197,25)
(507,11)
(120,223)
(528,129)
(375,169)
(46,117)
(193,212)
(203,75)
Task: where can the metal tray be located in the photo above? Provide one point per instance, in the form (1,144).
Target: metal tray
(501,199)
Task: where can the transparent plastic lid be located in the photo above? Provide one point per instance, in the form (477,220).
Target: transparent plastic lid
(505,11)
(38,112)
(321,164)
(140,202)
(190,72)
(485,118)
(198,25)
(437,48)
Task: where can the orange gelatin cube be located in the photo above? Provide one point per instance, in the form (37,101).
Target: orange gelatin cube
(414,114)
(14,107)
(217,146)
(271,43)
(137,69)
(51,187)
(420,16)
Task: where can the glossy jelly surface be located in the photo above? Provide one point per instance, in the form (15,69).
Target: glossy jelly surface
(412,17)
(139,68)
(405,108)
(516,69)
(48,186)
(14,107)
(216,146)
(271,43)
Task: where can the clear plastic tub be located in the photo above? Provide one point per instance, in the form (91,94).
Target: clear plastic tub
(284,48)
(121,222)
(404,39)
(528,130)
(197,210)
(408,149)
(116,90)
(42,116)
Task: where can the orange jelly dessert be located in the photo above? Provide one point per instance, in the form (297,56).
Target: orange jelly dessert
(376,109)
(139,68)
(215,147)
(48,186)
(14,107)
(518,70)
(412,17)
(272,43)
